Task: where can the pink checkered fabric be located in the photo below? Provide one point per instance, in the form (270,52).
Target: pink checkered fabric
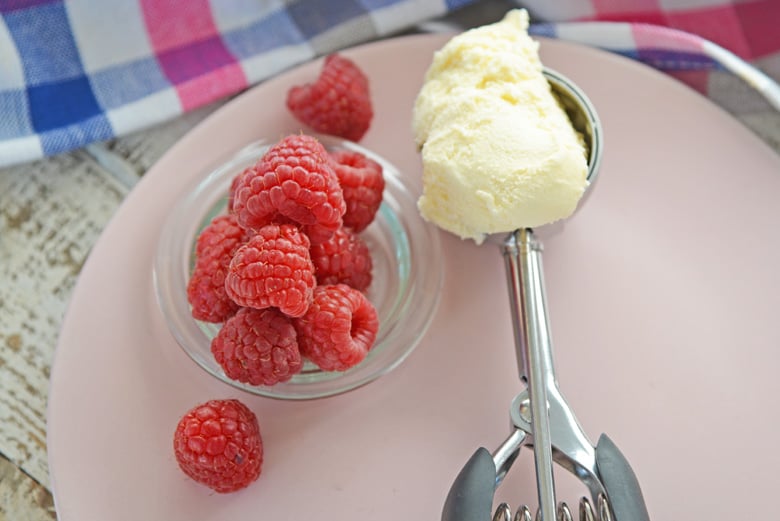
(73,72)
(748,28)
(688,39)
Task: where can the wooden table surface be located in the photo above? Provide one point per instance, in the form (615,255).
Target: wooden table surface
(52,212)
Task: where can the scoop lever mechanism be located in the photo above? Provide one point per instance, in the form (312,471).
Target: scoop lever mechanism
(543,420)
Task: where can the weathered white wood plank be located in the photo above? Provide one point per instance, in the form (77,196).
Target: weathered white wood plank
(51,213)
(21,498)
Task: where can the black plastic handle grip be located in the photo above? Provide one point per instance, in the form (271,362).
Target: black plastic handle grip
(621,484)
(471,495)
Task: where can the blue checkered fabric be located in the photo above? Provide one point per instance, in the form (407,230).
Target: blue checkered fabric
(73,72)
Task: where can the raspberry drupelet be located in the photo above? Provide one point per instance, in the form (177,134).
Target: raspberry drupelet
(293,182)
(339,328)
(345,259)
(273,269)
(214,249)
(362,183)
(258,347)
(218,444)
(337,103)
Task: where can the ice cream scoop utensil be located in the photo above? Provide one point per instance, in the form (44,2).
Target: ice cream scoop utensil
(541,417)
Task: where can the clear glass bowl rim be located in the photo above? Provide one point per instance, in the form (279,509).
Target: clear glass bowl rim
(417,304)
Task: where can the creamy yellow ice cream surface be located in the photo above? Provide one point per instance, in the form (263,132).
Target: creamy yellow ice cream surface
(498,152)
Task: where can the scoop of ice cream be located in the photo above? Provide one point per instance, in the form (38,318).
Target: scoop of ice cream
(498,151)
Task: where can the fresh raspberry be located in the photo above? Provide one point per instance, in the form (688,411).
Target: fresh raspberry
(218,444)
(273,269)
(293,182)
(214,249)
(339,328)
(258,347)
(362,183)
(344,259)
(337,103)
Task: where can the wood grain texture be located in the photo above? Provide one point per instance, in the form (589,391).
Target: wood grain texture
(51,213)
(21,497)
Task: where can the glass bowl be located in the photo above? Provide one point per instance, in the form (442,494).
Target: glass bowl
(407,277)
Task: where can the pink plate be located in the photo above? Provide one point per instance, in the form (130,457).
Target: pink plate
(663,295)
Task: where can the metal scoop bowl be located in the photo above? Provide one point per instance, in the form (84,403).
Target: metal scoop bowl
(585,121)
(541,417)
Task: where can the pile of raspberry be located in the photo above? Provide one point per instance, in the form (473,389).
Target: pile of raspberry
(285,270)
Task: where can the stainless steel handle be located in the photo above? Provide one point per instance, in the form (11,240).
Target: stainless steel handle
(522,259)
(528,301)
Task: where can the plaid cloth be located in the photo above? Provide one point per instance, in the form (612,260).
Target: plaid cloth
(73,72)
(684,55)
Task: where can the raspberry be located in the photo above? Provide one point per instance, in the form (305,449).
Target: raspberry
(345,259)
(362,183)
(218,444)
(337,103)
(273,269)
(339,328)
(214,248)
(258,347)
(293,182)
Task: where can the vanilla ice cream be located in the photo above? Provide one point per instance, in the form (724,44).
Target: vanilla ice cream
(498,151)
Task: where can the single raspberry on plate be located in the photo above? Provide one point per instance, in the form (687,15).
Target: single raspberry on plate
(293,182)
(344,259)
(339,328)
(273,269)
(218,444)
(337,103)
(214,249)
(362,183)
(258,347)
